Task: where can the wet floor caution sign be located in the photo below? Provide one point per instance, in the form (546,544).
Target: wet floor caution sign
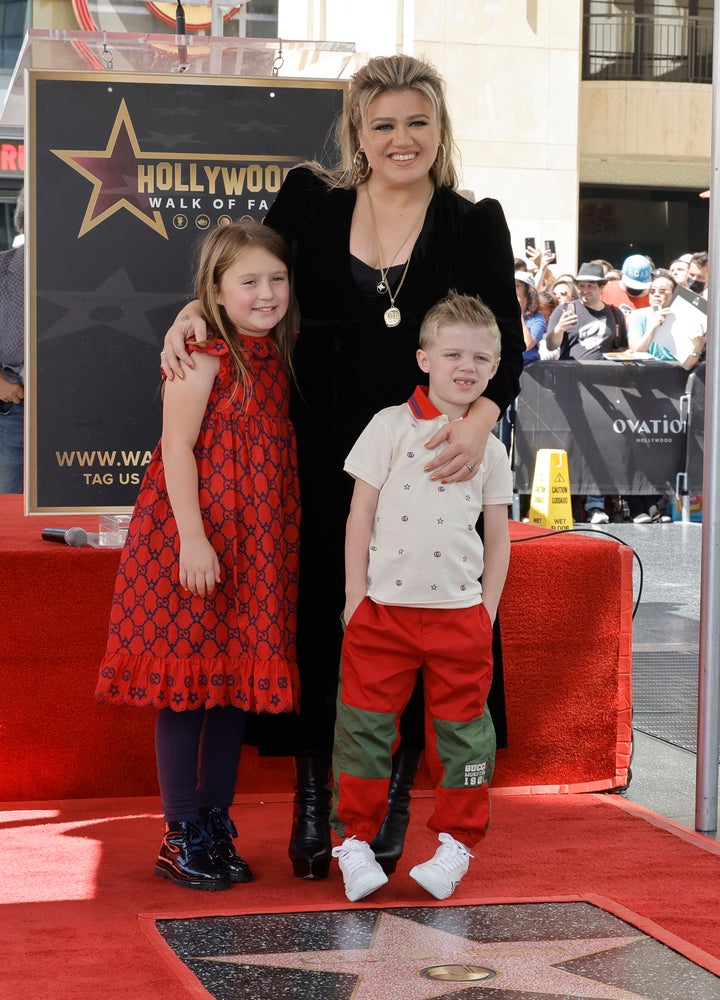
(550,504)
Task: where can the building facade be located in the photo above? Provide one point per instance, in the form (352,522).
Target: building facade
(590,122)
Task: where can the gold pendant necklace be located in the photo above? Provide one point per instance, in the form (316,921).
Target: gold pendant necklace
(392,316)
(382,285)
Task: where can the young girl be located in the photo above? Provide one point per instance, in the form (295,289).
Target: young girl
(203,618)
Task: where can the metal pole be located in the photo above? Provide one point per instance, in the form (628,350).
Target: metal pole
(216,18)
(706,795)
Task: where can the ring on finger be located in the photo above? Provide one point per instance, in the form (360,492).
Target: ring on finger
(471,468)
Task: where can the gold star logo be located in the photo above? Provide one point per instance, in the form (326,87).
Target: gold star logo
(114,176)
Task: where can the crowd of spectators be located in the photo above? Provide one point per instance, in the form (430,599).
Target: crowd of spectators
(603,310)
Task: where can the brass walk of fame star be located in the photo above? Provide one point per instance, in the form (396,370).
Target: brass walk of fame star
(395,966)
(113,174)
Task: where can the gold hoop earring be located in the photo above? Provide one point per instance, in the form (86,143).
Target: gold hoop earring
(439,164)
(361,165)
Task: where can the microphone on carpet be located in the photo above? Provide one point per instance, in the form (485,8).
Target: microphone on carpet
(69,536)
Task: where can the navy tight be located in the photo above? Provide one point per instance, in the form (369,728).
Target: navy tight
(197,754)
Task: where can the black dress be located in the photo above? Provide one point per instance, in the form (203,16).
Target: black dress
(348,365)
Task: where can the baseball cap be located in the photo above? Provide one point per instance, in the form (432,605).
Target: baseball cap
(637,272)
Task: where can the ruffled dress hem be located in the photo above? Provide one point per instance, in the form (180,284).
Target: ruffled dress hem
(271,686)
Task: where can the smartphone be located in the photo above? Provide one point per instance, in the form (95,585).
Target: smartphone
(550,246)
(529,242)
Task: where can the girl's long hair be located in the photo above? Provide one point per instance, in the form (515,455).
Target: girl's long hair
(217,252)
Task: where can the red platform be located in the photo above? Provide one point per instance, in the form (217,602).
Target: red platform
(567,638)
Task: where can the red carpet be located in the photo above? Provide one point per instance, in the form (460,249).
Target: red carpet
(77,876)
(567,670)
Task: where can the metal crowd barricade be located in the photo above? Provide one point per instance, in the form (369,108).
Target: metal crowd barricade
(689,480)
(624,425)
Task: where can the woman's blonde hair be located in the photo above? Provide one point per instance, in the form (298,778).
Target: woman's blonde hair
(379,76)
(219,251)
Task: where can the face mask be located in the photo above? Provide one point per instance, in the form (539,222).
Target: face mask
(695,285)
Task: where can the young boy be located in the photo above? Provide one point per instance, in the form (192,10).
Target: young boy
(413,559)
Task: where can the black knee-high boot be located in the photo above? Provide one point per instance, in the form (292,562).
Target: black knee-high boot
(310,846)
(390,840)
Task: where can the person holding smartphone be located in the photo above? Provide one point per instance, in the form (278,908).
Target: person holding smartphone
(584,330)
(539,262)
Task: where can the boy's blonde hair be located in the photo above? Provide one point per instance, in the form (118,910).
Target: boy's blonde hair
(456,308)
(217,252)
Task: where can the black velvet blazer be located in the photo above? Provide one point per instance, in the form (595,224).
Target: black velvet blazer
(348,363)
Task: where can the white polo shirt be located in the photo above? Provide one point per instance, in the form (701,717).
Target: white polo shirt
(424,549)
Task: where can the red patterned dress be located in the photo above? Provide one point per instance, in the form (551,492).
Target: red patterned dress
(168,648)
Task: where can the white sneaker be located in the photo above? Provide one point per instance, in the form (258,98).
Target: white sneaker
(360,871)
(441,875)
(599,517)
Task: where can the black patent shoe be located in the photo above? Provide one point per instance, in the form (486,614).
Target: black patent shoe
(310,849)
(221,830)
(185,860)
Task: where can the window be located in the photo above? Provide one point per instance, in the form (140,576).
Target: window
(648,40)
(663,223)
(261,19)
(13,24)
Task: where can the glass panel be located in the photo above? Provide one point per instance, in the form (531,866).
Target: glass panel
(253,19)
(197,55)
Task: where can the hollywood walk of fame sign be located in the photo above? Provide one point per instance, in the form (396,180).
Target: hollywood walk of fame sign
(125,174)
